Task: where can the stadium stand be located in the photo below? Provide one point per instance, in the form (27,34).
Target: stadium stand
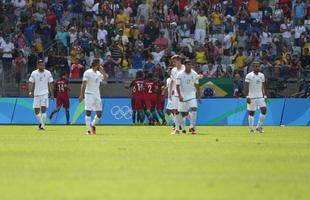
(222,38)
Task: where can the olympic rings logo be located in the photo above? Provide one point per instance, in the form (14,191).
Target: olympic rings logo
(121,112)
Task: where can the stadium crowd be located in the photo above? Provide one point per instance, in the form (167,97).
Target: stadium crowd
(221,37)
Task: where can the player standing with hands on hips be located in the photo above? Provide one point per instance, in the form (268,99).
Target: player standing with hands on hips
(256,96)
(90,90)
(43,84)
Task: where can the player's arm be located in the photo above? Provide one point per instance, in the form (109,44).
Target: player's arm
(171,88)
(51,89)
(102,71)
(82,91)
(30,88)
(246,92)
(178,90)
(264,90)
(198,93)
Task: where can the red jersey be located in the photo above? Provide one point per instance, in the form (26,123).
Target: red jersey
(137,87)
(150,86)
(62,86)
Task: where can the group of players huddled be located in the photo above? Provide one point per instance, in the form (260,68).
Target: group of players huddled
(148,96)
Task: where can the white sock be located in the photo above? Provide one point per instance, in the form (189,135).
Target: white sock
(183,122)
(251,122)
(190,116)
(172,117)
(95,121)
(87,122)
(177,122)
(43,119)
(193,119)
(261,120)
(38,116)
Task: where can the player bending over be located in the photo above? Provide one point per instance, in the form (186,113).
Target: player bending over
(43,84)
(90,90)
(255,92)
(187,86)
(62,91)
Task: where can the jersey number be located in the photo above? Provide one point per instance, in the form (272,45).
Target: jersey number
(61,87)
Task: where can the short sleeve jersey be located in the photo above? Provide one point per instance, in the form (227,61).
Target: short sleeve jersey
(255,84)
(187,82)
(93,80)
(41,81)
(173,76)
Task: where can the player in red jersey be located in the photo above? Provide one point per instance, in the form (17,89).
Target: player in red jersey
(150,98)
(62,90)
(160,103)
(137,94)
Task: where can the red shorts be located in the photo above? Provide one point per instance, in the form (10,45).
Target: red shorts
(150,101)
(137,103)
(63,100)
(160,102)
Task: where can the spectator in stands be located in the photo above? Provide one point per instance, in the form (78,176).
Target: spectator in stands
(149,64)
(305,63)
(143,10)
(20,67)
(240,61)
(304,90)
(210,71)
(76,69)
(110,66)
(299,10)
(201,27)
(162,41)
(6,49)
(238,86)
(62,65)
(299,29)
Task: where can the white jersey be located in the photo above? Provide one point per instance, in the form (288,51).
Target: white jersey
(255,84)
(187,84)
(173,76)
(93,80)
(41,81)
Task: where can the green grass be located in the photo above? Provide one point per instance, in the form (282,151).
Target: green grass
(123,163)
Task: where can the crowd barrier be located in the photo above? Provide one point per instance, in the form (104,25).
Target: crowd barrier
(117,111)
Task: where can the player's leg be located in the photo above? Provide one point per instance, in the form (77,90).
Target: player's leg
(43,117)
(177,116)
(36,107)
(193,119)
(66,105)
(183,108)
(262,116)
(134,111)
(139,106)
(44,106)
(160,109)
(98,108)
(89,101)
(147,110)
(58,106)
(87,121)
(251,107)
(170,112)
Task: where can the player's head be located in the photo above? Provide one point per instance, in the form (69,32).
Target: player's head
(40,65)
(139,74)
(256,66)
(188,65)
(149,75)
(176,60)
(95,64)
(64,75)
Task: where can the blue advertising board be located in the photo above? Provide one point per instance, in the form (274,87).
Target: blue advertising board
(117,111)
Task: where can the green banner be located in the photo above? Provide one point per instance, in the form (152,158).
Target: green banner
(223,87)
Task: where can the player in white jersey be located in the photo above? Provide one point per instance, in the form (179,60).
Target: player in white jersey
(256,96)
(187,86)
(173,95)
(90,90)
(169,103)
(43,84)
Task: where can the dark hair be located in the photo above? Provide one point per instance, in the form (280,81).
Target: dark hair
(95,62)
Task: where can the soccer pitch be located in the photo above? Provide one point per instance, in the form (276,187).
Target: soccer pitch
(140,162)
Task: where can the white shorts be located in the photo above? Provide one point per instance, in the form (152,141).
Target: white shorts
(256,103)
(175,103)
(39,101)
(169,105)
(185,106)
(93,102)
